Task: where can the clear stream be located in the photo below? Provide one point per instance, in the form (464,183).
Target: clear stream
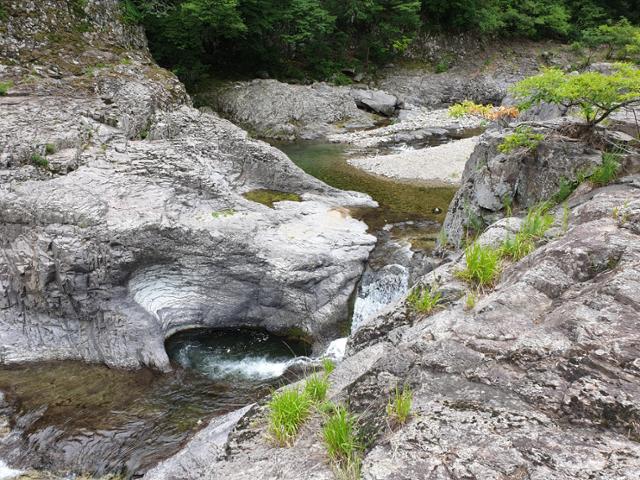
(76,417)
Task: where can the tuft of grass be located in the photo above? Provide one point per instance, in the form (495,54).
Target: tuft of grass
(533,228)
(522,137)
(5,87)
(49,149)
(566,213)
(340,437)
(482,265)
(537,222)
(399,406)
(39,161)
(288,410)
(328,366)
(607,171)
(315,387)
(470,301)
(565,189)
(424,299)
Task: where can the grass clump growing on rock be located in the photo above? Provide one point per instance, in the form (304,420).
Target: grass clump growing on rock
(607,171)
(522,137)
(399,406)
(424,299)
(39,161)
(328,366)
(315,387)
(288,410)
(482,265)
(533,228)
(340,437)
(5,87)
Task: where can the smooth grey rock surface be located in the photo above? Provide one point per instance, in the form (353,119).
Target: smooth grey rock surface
(137,227)
(278,110)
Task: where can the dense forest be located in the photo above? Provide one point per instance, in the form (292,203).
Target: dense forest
(317,39)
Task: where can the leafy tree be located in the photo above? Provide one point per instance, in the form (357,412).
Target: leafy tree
(596,95)
(622,39)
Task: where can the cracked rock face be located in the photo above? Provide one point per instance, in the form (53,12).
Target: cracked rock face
(135,226)
(521,178)
(538,380)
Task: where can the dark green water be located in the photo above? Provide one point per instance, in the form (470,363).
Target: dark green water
(399,201)
(88,418)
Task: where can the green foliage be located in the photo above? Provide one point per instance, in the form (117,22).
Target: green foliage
(607,171)
(340,438)
(328,366)
(596,95)
(315,387)
(3,13)
(288,410)
(482,265)
(470,301)
(565,190)
(130,13)
(469,107)
(621,39)
(443,64)
(423,299)
(39,161)
(50,148)
(533,228)
(399,405)
(522,137)
(4,87)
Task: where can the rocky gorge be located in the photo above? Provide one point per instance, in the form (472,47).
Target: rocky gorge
(128,218)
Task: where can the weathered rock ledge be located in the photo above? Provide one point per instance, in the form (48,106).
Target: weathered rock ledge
(122,218)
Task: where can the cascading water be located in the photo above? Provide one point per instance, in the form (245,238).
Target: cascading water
(250,355)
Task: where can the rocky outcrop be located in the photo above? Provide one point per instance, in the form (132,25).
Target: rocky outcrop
(538,380)
(277,110)
(122,218)
(520,179)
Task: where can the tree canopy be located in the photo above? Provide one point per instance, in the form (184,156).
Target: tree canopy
(317,38)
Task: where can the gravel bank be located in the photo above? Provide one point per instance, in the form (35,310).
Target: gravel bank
(444,163)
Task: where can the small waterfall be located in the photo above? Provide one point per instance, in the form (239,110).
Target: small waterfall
(380,288)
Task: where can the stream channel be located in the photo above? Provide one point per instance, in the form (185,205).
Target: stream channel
(79,418)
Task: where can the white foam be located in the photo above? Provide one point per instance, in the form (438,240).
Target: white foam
(6,473)
(254,368)
(336,349)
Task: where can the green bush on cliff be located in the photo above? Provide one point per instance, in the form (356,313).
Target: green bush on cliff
(4,87)
(594,94)
(607,171)
(522,137)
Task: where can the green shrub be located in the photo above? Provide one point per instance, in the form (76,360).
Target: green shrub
(340,438)
(522,137)
(399,406)
(482,265)
(39,161)
(50,148)
(621,39)
(595,94)
(469,107)
(5,87)
(423,299)
(607,171)
(328,366)
(315,387)
(565,190)
(288,409)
